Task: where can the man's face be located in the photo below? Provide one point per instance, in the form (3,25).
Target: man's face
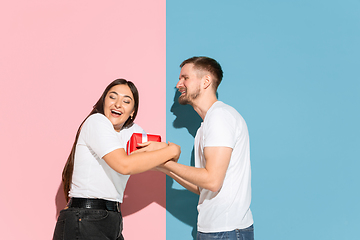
(189,84)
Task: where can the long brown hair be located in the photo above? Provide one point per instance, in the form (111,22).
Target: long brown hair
(98,108)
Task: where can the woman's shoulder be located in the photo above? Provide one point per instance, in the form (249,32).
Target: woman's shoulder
(97,119)
(135,128)
(126,133)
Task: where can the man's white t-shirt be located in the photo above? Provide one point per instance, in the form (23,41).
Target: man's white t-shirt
(229,208)
(92,176)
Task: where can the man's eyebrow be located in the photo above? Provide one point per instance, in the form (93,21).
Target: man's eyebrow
(183,75)
(121,94)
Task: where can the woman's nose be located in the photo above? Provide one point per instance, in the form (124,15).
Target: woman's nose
(118,104)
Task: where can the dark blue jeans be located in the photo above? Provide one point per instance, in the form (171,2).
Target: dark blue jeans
(237,234)
(88,224)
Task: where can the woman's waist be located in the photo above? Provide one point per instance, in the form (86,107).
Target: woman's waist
(94,203)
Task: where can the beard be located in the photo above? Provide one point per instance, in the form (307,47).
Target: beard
(188,98)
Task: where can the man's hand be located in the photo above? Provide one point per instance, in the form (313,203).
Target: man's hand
(177,149)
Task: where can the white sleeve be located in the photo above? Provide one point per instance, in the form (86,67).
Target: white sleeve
(125,134)
(100,135)
(220,130)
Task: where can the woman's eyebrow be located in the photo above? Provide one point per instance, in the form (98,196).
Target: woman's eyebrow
(124,95)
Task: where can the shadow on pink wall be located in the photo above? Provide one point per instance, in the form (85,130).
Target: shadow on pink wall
(141,190)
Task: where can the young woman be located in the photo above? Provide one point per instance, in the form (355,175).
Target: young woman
(97,169)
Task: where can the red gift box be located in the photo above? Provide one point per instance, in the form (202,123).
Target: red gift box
(140,138)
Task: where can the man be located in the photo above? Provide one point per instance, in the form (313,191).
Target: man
(222,174)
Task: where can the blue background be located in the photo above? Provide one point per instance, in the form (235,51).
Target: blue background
(291,68)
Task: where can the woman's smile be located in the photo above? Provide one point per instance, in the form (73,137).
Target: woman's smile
(119,105)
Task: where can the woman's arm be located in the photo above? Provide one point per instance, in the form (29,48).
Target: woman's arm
(141,161)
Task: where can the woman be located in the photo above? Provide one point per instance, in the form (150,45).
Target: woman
(98,167)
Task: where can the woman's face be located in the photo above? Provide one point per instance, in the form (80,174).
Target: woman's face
(119,105)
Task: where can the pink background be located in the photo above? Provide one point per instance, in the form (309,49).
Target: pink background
(56,58)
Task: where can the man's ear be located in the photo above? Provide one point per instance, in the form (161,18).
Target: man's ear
(207,81)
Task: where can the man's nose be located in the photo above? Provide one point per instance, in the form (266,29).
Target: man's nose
(179,84)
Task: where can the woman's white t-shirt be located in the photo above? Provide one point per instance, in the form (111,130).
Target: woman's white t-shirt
(92,176)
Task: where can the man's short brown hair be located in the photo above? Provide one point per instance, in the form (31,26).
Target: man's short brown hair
(207,64)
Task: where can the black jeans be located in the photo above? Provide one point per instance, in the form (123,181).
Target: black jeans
(88,224)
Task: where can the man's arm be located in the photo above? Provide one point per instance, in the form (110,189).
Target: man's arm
(211,177)
(186,184)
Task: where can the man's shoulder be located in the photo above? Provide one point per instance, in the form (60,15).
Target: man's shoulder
(224,114)
(222,109)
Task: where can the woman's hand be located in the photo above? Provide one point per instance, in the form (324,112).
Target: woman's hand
(150,146)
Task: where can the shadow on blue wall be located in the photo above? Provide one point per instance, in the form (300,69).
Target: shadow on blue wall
(182,203)
(186,117)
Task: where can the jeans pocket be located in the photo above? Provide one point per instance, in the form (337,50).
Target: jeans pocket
(214,236)
(100,224)
(246,234)
(95,215)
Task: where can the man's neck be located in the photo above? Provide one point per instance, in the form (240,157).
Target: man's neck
(203,104)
